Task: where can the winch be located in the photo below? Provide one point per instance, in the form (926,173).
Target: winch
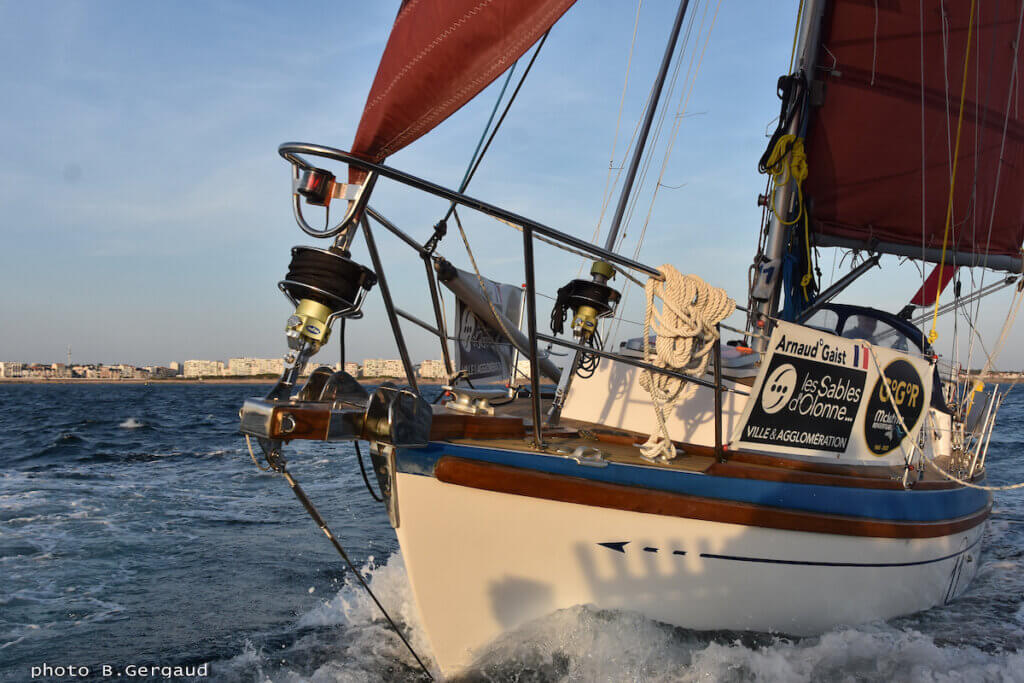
(323,284)
(589,301)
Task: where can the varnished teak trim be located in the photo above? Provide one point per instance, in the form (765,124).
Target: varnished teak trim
(523,482)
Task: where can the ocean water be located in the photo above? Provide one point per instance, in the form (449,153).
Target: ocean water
(135,530)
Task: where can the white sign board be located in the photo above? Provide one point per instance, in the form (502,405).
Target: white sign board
(821,395)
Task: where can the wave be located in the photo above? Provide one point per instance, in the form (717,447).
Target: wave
(60,454)
(345,638)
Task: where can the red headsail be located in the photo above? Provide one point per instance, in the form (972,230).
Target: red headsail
(866,148)
(441,53)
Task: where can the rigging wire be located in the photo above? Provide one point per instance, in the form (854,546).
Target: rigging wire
(656,135)
(606,193)
(277,465)
(689,84)
(999,166)
(933,334)
(474,163)
(796,35)
(924,166)
(914,446)
(480,279)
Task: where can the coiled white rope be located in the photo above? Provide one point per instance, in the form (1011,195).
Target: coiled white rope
(686,333)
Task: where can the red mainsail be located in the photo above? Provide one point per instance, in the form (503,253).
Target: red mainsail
(887,127)
(441,53)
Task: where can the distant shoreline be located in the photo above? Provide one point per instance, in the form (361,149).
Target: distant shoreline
(200,382)
(178,380)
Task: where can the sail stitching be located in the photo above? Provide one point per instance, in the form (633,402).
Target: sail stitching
(440,38)
(436,113)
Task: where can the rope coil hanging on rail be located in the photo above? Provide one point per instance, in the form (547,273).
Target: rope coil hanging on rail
(686,330)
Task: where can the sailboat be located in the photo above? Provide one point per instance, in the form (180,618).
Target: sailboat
(825,467)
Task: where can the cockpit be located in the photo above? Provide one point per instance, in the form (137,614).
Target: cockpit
(880,329)
(873,326)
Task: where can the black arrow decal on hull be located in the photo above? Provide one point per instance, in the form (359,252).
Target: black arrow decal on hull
(618,545)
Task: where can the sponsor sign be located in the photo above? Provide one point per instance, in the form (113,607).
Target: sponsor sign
(819,394)
(882,429)
(482,351)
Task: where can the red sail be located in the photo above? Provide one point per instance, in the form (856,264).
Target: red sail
(865,144)
(441,53)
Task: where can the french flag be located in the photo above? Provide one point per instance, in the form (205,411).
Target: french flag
(860,356)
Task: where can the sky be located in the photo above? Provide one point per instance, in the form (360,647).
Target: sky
(145,213)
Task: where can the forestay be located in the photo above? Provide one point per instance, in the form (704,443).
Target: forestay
(820,395)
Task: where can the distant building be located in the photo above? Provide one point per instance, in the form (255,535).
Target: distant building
(241,367)
(379,367)
(352,369)
(11,369)
(269,366)
(203,368)
(433,369)
(175,366)
(41,371)
(522,371)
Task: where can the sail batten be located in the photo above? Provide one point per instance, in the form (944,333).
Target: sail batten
(438,57)
(873,171)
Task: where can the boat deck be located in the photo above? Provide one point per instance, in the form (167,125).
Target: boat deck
(511,428)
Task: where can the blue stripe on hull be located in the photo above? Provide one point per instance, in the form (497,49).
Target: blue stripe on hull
(880,504)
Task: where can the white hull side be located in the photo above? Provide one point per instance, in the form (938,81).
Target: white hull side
(482,563)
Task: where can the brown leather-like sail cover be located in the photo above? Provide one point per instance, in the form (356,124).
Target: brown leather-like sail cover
(865,144)
(441,53)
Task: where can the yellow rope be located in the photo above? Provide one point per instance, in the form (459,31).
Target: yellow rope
(934,335)
(807,278)
(782,172)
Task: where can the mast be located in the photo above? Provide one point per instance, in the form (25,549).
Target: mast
(634,164)
(602,271)
(769,269)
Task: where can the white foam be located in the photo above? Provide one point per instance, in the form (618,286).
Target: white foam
(131,423)
(583,643)
(366,645)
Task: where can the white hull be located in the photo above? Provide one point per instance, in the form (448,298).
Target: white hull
(482,563)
